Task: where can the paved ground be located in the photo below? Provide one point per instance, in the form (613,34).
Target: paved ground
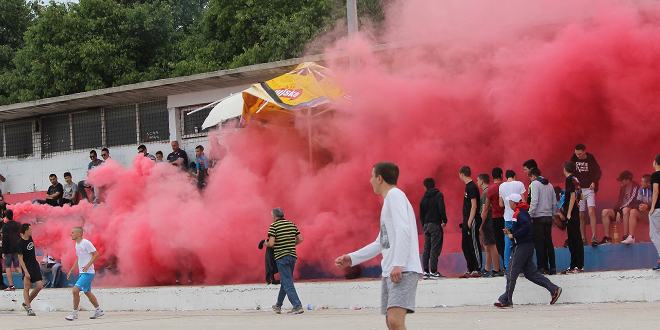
(560,316)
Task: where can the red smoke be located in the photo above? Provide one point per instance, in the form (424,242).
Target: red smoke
(481,84)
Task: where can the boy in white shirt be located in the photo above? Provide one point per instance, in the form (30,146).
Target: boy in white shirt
(397,242)
(86,254)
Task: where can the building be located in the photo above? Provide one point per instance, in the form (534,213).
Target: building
(55,135)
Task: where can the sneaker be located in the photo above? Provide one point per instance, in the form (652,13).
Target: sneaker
(475,273)
(489,274)
(594,241)
(10,288)
(628,240)
(501,305)
(570,271)
(426,276)
(98,313)
(555,296)
(606,240)
(498,274)
(579,270)
(657,267)
(584,241)
(297,310)
(25,306)
(437,276)
(465,275)
(277,309)
(552,271)
(73,316)
(30,312)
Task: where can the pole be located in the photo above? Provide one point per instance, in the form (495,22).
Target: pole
(309,137)
(352,18)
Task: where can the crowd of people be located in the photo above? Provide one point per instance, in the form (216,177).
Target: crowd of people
(512,223)
(71,193)
(488,216)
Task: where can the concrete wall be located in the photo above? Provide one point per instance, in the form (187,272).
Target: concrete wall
(29,174)
(596,287)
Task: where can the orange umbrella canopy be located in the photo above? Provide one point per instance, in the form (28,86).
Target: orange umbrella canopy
(307,88)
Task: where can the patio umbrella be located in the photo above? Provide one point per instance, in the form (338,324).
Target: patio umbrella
(230,107)
(308,90)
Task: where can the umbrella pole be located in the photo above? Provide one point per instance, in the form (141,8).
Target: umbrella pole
(309,137)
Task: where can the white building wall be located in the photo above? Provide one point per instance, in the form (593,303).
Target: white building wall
(29,174)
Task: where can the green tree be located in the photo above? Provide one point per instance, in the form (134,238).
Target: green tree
(94,44)
(235,33)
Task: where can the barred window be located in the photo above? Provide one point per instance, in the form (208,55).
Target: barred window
(55,134)
(19,139)
(87,129)
(154,121)
(120,125)
(192,124)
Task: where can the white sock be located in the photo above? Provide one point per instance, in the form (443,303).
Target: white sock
(99,308)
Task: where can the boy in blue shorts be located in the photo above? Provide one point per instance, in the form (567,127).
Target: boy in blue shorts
(86,254)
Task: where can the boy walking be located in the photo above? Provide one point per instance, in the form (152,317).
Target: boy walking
(32,273)
(571,210)
(522,257)
(283,236)
(86,254)
(397,242)
(433,216)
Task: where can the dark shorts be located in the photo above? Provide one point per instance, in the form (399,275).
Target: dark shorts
(35,272)
(489,232)
(12,258)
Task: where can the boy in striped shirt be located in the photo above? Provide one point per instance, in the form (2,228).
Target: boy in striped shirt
(283,236)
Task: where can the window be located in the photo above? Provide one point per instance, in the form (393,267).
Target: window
(154,121)
(87,129)
(120,125)
(55,134)
(18,137)
(192,124)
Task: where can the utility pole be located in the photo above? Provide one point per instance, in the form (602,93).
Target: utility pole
(352,18)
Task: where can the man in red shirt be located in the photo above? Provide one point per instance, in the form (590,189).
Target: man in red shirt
(493,203)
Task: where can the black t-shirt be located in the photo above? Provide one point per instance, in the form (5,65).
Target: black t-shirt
(655,178)
(56,188)
(182,154)
(571,187)
(471,191)
(26,248)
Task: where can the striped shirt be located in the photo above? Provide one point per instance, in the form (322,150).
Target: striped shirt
(285,233)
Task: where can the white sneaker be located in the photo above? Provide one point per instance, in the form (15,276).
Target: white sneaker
(629,240)
(98,313)
(73,316)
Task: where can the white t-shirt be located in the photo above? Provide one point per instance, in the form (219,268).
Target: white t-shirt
(84,251)
(397,239)
(506,189)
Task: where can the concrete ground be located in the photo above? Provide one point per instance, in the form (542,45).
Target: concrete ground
(640,315)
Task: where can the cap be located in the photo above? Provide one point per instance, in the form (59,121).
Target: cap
(625,175)
(515,198)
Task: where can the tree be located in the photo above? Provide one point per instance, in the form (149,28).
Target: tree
(94,44)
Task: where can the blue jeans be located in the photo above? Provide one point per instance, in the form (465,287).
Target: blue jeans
(507,244)
(285,266)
